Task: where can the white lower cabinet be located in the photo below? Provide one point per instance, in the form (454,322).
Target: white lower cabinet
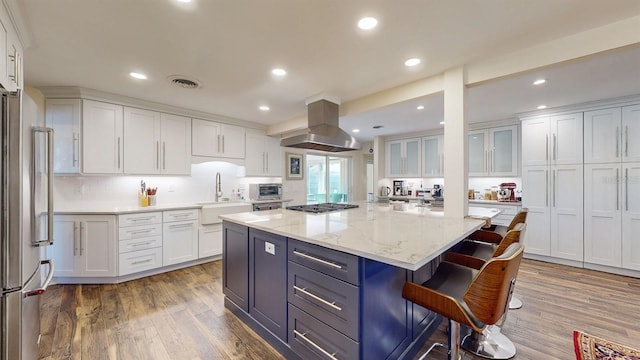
(179,236)
(555,202)
(210,240)
(84,246)
(612,215)
(140,242)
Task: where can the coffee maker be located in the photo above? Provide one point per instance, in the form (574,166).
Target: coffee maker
(399,188)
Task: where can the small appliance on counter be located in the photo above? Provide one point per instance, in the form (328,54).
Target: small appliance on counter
(437,191)
(507,192)
(265,191)
(384,191)
(400,188)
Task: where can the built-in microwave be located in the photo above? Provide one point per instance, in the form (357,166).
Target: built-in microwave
(265,191)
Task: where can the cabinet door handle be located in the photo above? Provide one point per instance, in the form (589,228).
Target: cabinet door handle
(554,186)
(81,237)
(626,189)
(546,147)
(223,144)
(555,148)
(304,291)
(617,141)
(158,155)
(76,237)
(303,337)
(313,258)
(76,148)
(626,141)
(180,215)
(164,156)
(141,218)
(546,188)
(263,163)
(219,143)
(267,162)
(617,189)
(136,232)
(118,152)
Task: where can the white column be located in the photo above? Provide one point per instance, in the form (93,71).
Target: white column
(456,168)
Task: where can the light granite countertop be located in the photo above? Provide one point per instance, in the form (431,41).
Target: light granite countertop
(112,209)
(408,239)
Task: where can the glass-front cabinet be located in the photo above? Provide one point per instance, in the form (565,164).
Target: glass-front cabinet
(403,158)
(494,151)
(433,156)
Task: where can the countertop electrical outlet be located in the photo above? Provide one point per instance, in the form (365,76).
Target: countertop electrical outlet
(269,248)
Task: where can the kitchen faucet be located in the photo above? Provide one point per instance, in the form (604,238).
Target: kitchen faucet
(218,189)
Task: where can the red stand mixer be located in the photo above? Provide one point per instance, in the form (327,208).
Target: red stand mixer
(507,192)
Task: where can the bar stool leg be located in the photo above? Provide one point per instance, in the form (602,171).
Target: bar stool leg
(454,340)
(515,303)
(491,344)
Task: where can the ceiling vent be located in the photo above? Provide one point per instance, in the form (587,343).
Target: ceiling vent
(184,82)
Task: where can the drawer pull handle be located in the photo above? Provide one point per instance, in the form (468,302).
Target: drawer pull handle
(304,291)
(180,226)
(317,260)
(142,243)
(303,337)
(180,215)
(140,232)
(142,218)
(141,262)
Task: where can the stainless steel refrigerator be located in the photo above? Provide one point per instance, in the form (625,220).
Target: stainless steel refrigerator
(25,226)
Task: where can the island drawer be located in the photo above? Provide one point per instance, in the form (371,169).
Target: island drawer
(312,339)
(139,231)
(335,263)
(140,219)
(324,297)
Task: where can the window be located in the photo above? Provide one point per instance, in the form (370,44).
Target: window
(327,179)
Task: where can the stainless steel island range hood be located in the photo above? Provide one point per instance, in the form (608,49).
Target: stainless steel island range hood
(323,132)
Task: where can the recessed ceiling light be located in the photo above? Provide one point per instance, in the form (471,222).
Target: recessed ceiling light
(367,23)
(539,81)
(412,62)
(420,107)
(279,72)
(356,130)
(264,108)
(441,122)
(184,1)
(138,75)
(540,107)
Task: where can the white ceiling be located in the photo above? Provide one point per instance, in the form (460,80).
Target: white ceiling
(231,46)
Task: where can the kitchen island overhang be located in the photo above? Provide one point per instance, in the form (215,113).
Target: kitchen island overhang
(314,285)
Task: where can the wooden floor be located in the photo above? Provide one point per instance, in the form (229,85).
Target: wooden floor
(180,315)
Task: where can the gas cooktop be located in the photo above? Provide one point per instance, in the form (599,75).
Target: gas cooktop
(321,208)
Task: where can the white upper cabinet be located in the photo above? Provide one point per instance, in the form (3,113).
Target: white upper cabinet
(494,151)
(156,143)
(63,116)
(102,138)
(610,135)
(217,140)
(10,54)
(631,133)
(555,140)
(403,158)
(264,155)
(602,136)
(433,156)
(142,139)
(175,144)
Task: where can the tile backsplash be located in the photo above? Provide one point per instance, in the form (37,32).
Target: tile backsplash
(123,190)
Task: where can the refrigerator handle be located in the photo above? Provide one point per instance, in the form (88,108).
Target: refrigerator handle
(47,281)
(49,170)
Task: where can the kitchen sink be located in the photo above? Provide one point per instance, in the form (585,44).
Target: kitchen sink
(210,210)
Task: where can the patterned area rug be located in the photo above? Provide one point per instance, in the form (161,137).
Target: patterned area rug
(589,347)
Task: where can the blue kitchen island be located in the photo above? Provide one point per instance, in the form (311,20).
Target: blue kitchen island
(329,286)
